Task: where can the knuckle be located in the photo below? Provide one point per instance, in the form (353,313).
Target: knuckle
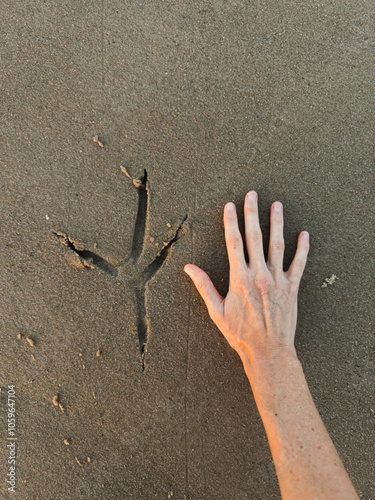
(241,283)
(250,208)
(263,280)
(278,246)
(201,287)
(255,236)
(235,241)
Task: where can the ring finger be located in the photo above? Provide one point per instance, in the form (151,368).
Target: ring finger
(276,245)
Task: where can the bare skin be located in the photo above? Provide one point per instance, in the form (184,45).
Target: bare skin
(258,317)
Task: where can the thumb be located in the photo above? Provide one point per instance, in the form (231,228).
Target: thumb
(212,298)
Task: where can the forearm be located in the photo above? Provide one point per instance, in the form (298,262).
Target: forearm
(306,461)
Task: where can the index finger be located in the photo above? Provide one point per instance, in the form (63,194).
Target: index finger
(233,238)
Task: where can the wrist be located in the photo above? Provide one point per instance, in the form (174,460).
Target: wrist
(267,362)
(269,374)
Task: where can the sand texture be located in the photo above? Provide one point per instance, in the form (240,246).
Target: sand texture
(125,127)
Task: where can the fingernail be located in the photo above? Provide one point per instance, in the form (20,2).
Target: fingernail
(278,207)
(305,235)
(252,195)
(187,269)
(230,207)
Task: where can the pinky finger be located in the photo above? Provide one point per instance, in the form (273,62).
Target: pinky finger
(207,290)
(295,271)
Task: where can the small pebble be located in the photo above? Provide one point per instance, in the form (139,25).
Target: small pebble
(30,341)
(96,139)
(329,281)
(124,171)
(67,442)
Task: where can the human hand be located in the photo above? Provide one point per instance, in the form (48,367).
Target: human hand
(258,317)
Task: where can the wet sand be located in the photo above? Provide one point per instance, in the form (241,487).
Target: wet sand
(125,128)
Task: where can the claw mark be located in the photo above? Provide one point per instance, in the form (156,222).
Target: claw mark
(140,223)
(85,258)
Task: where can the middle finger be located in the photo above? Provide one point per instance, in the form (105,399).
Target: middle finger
(233,238)
(253,233)
(276,245)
